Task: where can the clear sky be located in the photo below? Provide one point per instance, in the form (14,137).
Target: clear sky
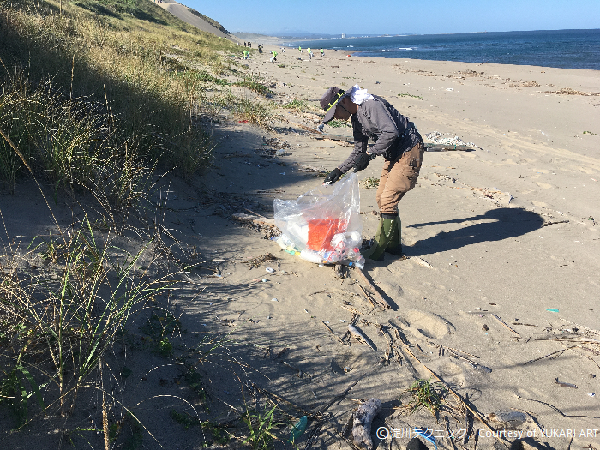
(398,16)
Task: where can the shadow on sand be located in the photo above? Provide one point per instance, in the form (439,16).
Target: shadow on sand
(500,224)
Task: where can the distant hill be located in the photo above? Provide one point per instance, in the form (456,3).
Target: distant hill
(196,19)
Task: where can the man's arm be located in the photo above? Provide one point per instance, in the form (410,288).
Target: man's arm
(360,146)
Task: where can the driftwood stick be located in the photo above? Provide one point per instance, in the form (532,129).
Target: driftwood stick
(504,323)
(367,296)
(337,398)
(380,300)
(333,333)
(256,214)
(458,397)
(361,424)
(468,421)
(359,336)
(447,148)
(456,350)
(351,309)
(550,355)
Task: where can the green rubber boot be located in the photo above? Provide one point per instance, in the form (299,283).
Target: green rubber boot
(394,247)
(382,237)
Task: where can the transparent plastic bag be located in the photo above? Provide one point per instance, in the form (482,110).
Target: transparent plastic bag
(324,224)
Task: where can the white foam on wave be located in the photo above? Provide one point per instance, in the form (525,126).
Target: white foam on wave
(405,48)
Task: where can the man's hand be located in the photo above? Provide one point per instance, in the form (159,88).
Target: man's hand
(362,161)
(333,176)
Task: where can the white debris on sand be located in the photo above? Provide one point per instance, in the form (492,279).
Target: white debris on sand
(448,139)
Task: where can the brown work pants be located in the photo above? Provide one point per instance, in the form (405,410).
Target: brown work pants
(397,178)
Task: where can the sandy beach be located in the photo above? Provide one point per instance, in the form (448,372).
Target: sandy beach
(503,241)
(498,298)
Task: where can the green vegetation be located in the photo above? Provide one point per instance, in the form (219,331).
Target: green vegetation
(127,430)
(160,326)
(425,394)
(254,84)
(336,123)
(260,428)
(57,327)
(95,97)
(219,434)
(370,183)
(184,419)
(297,104)
(97,94)
(406,94)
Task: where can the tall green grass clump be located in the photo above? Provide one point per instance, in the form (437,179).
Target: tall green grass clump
(71,144)
(56,324)
(94,97)
(132,58)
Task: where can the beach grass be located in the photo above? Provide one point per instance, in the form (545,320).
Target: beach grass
(115,75)
(95,96)
(58,323)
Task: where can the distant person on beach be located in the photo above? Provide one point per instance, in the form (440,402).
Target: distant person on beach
(396,139)
(274,57)
(310,54)
(246,54)
(300,48)
(322,53)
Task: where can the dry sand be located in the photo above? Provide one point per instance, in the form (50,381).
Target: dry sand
(499,297)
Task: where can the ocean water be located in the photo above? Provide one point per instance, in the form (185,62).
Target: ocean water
(564,49)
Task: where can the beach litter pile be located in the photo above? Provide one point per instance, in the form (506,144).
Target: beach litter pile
(447,141)
(323,225)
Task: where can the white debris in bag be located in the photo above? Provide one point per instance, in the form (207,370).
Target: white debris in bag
(323,225)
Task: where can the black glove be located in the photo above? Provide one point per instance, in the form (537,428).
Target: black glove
(333,176)
(362,161)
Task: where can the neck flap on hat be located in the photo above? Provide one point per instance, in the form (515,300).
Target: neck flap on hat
(358,95)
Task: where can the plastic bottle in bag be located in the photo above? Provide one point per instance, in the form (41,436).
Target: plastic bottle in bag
(286,244)
(358,264)
(310,255)
(330,256)
(338,242)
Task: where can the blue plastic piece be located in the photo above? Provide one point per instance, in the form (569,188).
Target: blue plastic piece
(299,428)
(425,435)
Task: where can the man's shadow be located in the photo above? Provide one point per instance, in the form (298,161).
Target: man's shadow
(504,223)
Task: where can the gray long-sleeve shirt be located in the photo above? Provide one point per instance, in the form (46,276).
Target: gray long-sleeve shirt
(392,132)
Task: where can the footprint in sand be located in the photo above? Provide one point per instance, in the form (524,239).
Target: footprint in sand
(539,204)
(451,372)
(427,324)
(345,362)
(545,185)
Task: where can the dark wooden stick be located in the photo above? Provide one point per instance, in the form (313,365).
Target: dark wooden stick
(380,300)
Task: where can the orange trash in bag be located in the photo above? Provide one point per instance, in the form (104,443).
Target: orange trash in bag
(321,231)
